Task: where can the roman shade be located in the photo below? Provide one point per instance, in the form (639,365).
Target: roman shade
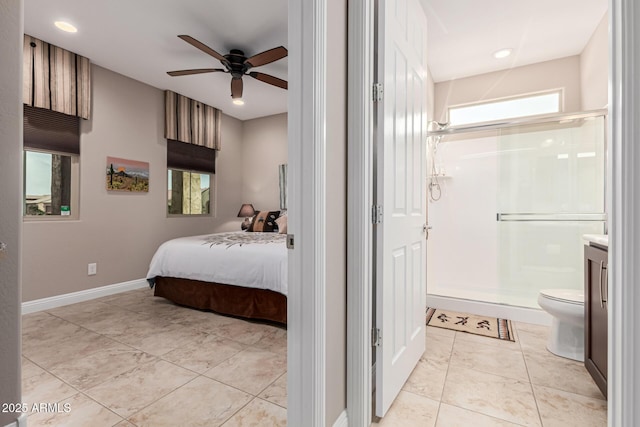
(55,79)
(190,157)
(192,122)
(51,131)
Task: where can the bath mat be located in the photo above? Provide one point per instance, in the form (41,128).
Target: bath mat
(471,323)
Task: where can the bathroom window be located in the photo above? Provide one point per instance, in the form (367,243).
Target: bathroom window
(506,108)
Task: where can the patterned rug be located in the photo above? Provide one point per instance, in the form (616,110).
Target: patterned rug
(470,323)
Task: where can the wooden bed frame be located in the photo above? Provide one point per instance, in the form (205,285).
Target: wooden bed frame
(232,300)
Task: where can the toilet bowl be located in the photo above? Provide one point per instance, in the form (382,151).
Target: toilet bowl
(566,306)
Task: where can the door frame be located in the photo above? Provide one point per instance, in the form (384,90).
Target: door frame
(361,31)
(306,349)
(624,246)
(623,206)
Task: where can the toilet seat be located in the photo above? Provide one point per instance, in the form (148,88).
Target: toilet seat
(569,296)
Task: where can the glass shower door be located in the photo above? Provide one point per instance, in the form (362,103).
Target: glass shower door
(550,191)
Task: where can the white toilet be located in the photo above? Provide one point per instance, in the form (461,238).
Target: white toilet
(567,328)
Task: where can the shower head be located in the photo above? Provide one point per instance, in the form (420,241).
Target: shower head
(437,125)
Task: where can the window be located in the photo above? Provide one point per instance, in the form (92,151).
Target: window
(530,105)
(51,165)
(189,193)
(189,171)
(47,183)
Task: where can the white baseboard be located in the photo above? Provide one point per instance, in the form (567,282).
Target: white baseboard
(342,420)
(74,297)
(21,421)
(518,314)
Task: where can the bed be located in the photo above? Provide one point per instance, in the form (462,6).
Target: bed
(236,273)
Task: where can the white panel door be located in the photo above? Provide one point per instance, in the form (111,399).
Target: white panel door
(401,190)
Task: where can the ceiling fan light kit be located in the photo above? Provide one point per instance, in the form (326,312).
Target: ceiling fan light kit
(238,65)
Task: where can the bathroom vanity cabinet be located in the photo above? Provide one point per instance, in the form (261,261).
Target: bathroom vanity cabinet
(595,315)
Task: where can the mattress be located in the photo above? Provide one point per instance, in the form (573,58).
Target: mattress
(253,260)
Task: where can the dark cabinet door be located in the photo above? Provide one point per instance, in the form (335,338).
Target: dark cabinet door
(595,306)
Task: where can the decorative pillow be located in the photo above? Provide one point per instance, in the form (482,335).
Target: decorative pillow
(282,224)
(264,221)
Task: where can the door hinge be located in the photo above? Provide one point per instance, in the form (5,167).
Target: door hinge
(378,92)
(289,241)
(376,214)
(376,337)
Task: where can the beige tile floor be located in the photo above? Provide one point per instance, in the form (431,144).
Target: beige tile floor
(135,360)
(465,380)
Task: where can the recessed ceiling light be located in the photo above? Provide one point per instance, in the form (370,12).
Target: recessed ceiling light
(502,53)
(238,101)
(65,26)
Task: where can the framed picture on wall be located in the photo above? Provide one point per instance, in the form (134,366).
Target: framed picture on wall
(127,175)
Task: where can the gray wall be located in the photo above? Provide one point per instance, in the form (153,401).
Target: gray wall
(264,147)
(10,201)
(583,77)
(121,231)
(560,73)
(336,210)
(594,68)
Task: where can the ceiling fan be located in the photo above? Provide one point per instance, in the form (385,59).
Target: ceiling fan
(238,65)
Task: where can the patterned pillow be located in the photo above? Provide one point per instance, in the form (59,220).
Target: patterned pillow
(264,221)
(282,224)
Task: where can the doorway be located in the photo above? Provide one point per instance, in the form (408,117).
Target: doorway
(361,35)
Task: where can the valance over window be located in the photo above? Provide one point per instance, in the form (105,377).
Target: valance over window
(56,79)
(192,122)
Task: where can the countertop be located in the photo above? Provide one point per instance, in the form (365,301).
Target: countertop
(598,239)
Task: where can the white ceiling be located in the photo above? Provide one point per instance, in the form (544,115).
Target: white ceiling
(464,34)
(139,39)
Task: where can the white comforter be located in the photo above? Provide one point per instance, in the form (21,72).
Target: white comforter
(255,260)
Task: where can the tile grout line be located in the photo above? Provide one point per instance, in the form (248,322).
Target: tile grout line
(501,376)
(236,412)
(78,391)
(446,375)
(156,358)
(161,397)
(277,379)
(533,392)
(137,365)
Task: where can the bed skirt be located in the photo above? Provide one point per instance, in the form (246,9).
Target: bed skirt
(232,300)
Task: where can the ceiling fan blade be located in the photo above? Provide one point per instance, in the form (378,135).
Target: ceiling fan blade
(267,57)
(203,47)
(236,88)
(270,79)
(196,71)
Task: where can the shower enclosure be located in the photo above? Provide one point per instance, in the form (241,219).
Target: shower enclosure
(509,204)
